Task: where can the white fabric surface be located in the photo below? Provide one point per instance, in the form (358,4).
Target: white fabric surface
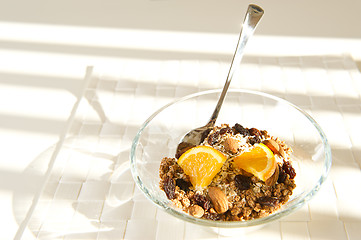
(90,194)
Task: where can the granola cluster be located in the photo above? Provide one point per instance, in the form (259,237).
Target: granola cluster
(241,195)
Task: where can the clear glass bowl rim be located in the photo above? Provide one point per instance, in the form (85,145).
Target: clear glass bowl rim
(233,224)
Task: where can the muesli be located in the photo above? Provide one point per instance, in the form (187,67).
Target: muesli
(233,194)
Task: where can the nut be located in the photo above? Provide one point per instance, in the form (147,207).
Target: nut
(245,173)
(196,211)
(274,146)
(282,152)
(211,210)
(271,181)
(231,145)
(218,199)
(185,202)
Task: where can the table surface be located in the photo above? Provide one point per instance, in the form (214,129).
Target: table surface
(66,70)
(89,192)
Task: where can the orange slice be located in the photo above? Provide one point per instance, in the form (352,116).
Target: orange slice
(201,164)
(259,161)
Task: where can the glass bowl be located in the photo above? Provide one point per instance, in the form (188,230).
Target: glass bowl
(160,134)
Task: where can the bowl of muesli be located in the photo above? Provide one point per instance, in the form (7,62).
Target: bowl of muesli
(263,159)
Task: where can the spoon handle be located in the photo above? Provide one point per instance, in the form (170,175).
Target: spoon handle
(253,16)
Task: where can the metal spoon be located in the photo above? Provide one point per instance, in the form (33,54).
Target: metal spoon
(196,136)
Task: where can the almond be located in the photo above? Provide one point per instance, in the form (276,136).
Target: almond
(281,152)
(218,199)
(272,144)
(196,211)
(275,147)
(273,179)
(231,145)
(243,172)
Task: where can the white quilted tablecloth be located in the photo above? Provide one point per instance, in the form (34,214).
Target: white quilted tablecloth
(89,192)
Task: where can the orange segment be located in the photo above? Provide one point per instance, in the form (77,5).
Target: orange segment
(259,161)
(201,164)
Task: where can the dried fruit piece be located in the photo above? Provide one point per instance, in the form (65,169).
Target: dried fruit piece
(242,182)
(254,132)
(202,201)
(201,164)
(256,136)
(196,211)
(183,184)
(259,161)
(254,140)
(169,187)
(268,201)
(213,138)
(287,167)
(225,130)
(218,199)
(240,129)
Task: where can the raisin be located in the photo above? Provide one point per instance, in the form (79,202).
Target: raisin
(253,140)
(268,201)
(169,187)
(207,205)
(182,184)
(254,132)
(240,129)
(256,136)
(225,130)
(264,132)
(287,167)
(202,201)
(282,175)
(242,182)
(213,138)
